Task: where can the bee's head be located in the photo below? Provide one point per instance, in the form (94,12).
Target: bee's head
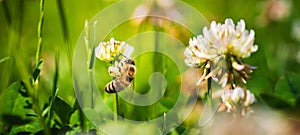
(129,61)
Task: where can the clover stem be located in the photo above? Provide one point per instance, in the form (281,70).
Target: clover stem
(209,98)
(116,107)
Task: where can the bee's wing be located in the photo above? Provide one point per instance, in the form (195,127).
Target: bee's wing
(131,91)
(210,108)
(128,51)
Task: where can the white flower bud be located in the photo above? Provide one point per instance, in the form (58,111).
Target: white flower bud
(237,95)
(250,98)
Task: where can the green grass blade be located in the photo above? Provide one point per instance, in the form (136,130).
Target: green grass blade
(65,30)
(4,59)
(56,75)
(6,12)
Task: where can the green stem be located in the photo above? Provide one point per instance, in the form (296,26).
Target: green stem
(209,93)
(37,59)
(90,59)
(209,100)
(91,64)
(91,87)
(116,108)
(40,30)
(91,75)
(209,90)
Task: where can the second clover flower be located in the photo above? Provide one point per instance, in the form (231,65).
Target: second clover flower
(220,51)
(220,40)
(113,50)
(222,46)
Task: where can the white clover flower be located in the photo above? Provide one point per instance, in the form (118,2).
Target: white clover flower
(250,98)
(226,99)
(222,39)
(219,52)
(108,51)
(222,46)
(194,57)
(237,94)
(228,39)
(231,97)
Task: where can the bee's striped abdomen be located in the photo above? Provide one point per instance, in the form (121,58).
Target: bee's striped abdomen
(109,88)
(117,85)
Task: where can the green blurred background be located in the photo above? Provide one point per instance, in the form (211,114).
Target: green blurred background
(277,33)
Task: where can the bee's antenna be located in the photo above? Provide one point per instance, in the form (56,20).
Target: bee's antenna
(124,56)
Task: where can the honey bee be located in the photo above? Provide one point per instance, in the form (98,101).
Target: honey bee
(123,76)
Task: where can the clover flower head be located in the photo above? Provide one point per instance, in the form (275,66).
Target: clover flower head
(219,52)
(221,47)
(194,56)
(220,40)
(229,39)
(112,50)
(232,97)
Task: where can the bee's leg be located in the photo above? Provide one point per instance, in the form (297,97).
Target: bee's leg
(114,72)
